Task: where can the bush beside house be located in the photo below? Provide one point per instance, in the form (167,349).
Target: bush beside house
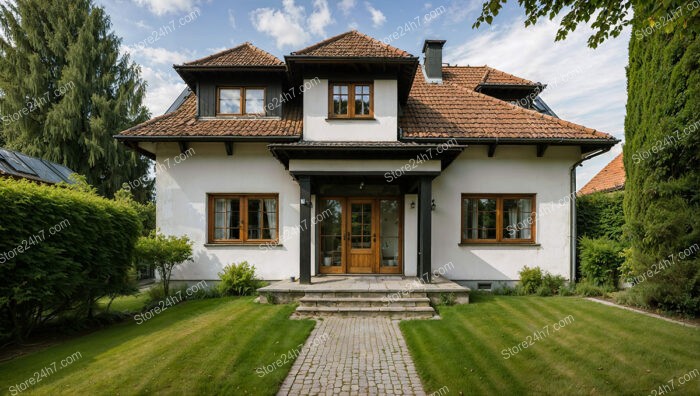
(61,250)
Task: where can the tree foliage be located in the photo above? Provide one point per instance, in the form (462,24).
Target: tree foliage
(164,253)
(609,17)
(662,162)
(67,90)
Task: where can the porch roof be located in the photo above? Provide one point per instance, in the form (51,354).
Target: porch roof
(391,150)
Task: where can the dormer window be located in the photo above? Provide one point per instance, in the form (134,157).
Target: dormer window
(240,101)
(351,100)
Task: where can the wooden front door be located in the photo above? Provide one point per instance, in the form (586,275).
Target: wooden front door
(360,235)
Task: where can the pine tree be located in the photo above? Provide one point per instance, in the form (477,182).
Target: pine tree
(67,90)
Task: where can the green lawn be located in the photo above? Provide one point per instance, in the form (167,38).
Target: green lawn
(601,351)
(198,347)
(126,303)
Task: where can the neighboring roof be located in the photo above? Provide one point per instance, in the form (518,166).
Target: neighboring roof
(244,55)
(182,122)
(353,44)
(454,110)
(18,165)
(610,178)
(473,76)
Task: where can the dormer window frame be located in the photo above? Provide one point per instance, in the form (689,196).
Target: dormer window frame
(351,100)
(242,98)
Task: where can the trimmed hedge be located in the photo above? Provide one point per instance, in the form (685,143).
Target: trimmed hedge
(60,251)
(600,215)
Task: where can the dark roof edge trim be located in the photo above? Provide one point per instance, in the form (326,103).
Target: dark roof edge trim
(229,138)
(521,141)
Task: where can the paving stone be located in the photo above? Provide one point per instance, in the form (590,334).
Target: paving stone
(365,355)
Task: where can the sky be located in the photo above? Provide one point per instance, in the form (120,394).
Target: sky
(584,86)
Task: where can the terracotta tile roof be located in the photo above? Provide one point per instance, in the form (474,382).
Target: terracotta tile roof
(182,122)
(473,76)
(353,44)
(610,178)
(244,55)
(454,109)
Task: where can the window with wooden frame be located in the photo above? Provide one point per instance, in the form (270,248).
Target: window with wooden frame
(240,100)
(243,218)
(351,100)
(498,218)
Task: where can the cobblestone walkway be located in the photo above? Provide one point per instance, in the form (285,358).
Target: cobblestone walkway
(351,356)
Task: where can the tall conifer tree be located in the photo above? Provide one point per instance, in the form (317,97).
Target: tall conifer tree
(67,90)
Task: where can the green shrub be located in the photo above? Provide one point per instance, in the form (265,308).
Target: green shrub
(61,250)
(600,215)
(551,285)
(530,279)
(601,259)
(587,288)
(164,253)
(447,299)
(146,212)
(239,280)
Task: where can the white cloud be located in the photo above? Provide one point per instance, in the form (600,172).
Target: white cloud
(141,24)
(232,18)
(161,7)
(290,26)
(378,17)
(346,5)
(163,89)
(285,25)
(157,56)
(585,86)
(320,18)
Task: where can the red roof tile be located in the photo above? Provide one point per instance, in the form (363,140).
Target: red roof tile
(182,122)
(610,178)
(353,44)
(244,55)
(454,109)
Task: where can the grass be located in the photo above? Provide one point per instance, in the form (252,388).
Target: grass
(603,350)
(126,303)
(198,347)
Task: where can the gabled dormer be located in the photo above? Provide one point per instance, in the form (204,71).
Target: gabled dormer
(241,82)
(357,86)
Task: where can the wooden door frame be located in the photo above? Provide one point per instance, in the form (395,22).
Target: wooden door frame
(345,242)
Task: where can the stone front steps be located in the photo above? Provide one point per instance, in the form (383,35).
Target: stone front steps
(415,305)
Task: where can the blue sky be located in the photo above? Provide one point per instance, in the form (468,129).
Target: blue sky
(585,86)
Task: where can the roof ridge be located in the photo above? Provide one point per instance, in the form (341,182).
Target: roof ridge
(232,49)
(345,34)
(509,74)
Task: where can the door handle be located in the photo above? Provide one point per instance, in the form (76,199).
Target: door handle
(374,237)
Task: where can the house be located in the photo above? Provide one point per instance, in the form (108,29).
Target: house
(16,165)
(609,179)
(352,157)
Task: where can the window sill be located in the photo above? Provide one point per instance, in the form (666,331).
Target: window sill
(526,244)
(351,119)
(270,244)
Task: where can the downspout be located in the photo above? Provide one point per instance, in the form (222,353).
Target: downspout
(572,210)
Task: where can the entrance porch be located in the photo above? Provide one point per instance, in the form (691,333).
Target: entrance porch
(402,297)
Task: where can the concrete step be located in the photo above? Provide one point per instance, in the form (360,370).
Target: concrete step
(392,312)
(365,294)
(364,302)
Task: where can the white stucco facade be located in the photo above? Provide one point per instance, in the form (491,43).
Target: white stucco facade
(382,128)
(182,190)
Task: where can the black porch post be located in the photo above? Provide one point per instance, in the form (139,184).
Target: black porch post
(424,228)
(305,228)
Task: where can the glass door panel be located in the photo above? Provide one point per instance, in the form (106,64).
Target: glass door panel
(331,236)
(390,231)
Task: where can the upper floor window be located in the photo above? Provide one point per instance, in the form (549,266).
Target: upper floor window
(240,100)
(498,218)
(351,100)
